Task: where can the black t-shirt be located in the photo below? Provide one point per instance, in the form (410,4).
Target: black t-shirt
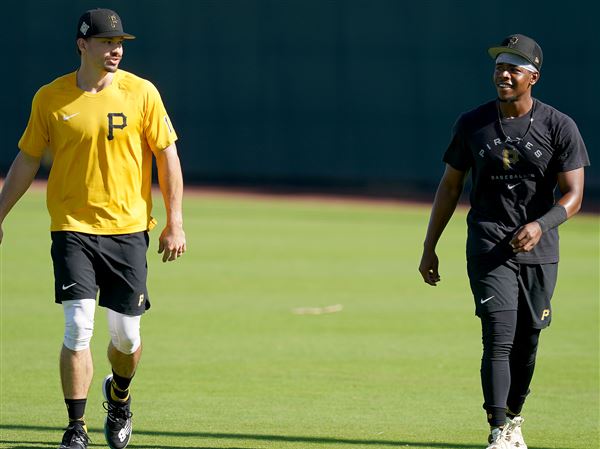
(514,167)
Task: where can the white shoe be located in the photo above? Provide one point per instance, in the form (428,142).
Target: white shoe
(497,439)
(514,434)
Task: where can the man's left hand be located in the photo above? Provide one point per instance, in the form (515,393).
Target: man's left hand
(171,243)
(526,237)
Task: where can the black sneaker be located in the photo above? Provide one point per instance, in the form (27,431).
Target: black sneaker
(117,425)
(75,437)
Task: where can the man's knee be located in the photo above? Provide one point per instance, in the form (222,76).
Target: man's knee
(498,334)
(79,323)
(124,332)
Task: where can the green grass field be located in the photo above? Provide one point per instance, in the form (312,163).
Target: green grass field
(228,365)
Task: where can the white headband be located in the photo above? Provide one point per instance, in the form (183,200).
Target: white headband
(513,59)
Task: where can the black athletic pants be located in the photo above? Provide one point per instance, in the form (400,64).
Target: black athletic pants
(509,350)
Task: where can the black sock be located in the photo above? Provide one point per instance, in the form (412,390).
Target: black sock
(122,383)
(120,386)
(76,409)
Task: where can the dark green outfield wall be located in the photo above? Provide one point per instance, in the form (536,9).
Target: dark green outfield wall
(354,92)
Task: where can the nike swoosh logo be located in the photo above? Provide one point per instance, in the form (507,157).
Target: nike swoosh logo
(512,186)
(483,301)
(67,117)
(66,287)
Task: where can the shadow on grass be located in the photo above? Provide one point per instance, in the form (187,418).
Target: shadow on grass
(245,436)
(44,445)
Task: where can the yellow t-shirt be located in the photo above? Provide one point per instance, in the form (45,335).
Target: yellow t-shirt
(102,146)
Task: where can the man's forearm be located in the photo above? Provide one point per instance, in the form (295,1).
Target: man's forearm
(19,178)
(442,210)
(171,185)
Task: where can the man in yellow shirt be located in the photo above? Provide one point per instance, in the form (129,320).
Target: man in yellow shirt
(102,127)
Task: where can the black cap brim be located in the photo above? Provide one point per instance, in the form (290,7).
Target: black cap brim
(115,34)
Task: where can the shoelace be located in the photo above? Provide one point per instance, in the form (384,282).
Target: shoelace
(503,434)
(117,412)
(511,426)
(78,435)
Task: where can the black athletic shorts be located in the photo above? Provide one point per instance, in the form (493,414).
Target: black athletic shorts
(115,265)
(508,285)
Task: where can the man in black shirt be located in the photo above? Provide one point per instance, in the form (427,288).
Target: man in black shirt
(518,150)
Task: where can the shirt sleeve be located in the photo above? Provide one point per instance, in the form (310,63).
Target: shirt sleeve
(571,152)
(35,138)
(458,154)
(158,130)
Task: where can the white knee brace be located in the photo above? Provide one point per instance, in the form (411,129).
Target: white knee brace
(124,331)
(79,323)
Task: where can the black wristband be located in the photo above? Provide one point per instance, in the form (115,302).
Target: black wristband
(554,217)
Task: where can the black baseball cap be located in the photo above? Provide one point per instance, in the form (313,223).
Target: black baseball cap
(101,23)
(521,45)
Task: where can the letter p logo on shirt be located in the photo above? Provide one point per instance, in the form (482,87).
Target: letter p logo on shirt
(112,125)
